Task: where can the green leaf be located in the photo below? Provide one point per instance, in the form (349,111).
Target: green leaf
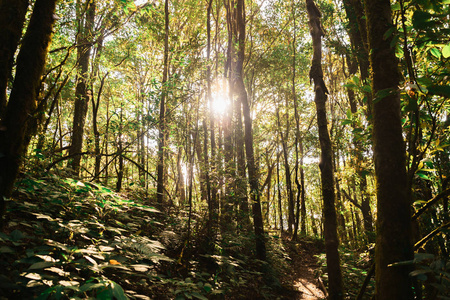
(395,6)
(6,249)
(349,114)
(420,274)
(423,176)
(388,33)
(440,90)
(41,265)
(381,94)
(367,88)
(199,296)
(207,287)
(412,104)
(418,257)
(421,19)
(436,53)
(446,51)
(117,291)
(17,235)
(402,263)
(91,286)
(346,122)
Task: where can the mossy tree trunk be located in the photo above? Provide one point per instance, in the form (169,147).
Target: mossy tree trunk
(335,287)
(22,101)
(82,97)
(393,242)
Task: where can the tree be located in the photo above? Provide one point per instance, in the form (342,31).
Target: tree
(393,242)
(22,101)
(250,155)
(162,110)
(326,162)
(12,18)
(83,92)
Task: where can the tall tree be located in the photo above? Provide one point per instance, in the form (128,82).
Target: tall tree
(300,188)
(326,164)
(22,101)
(85,15)
(250,155)
(12,18)
(162,110)
(393,242)
(212,203)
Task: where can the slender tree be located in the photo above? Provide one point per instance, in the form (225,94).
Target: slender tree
(162,110)
(326,164)
(250,155)
(300,188)
(82,91)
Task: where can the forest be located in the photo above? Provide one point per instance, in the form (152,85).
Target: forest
(224,149)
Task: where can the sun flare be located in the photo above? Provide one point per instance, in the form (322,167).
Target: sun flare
(220,102)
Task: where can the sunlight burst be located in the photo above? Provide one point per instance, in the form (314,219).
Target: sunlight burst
(220,102)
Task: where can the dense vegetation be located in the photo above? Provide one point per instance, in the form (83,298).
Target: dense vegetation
(200,149)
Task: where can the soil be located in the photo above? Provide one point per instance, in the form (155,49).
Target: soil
(301,280)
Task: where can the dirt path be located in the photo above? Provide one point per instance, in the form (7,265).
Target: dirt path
(301,278)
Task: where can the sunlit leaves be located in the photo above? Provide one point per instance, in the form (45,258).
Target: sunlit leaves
(446,51)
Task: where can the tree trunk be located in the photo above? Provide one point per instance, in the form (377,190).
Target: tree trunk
(287,171)
(393,243)
(303,192)
(96,105)
(326,165)
(252,168)
(297,129)
(22,101)
(97,150)
(84,40)
(181,191)
(201,164)
(241,178)
(227,206)
(120,150)
(212,204)
(162,111)
(280,206)
(12,18)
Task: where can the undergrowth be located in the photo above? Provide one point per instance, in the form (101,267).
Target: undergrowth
(69,239)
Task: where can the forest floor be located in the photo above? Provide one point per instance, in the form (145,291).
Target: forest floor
(302,275)
(70,239)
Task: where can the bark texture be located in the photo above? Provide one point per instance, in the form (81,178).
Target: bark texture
(393,242)
(22,102)
(82,96)
(335,287)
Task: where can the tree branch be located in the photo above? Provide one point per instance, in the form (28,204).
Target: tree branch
(430,203)
(353,201)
